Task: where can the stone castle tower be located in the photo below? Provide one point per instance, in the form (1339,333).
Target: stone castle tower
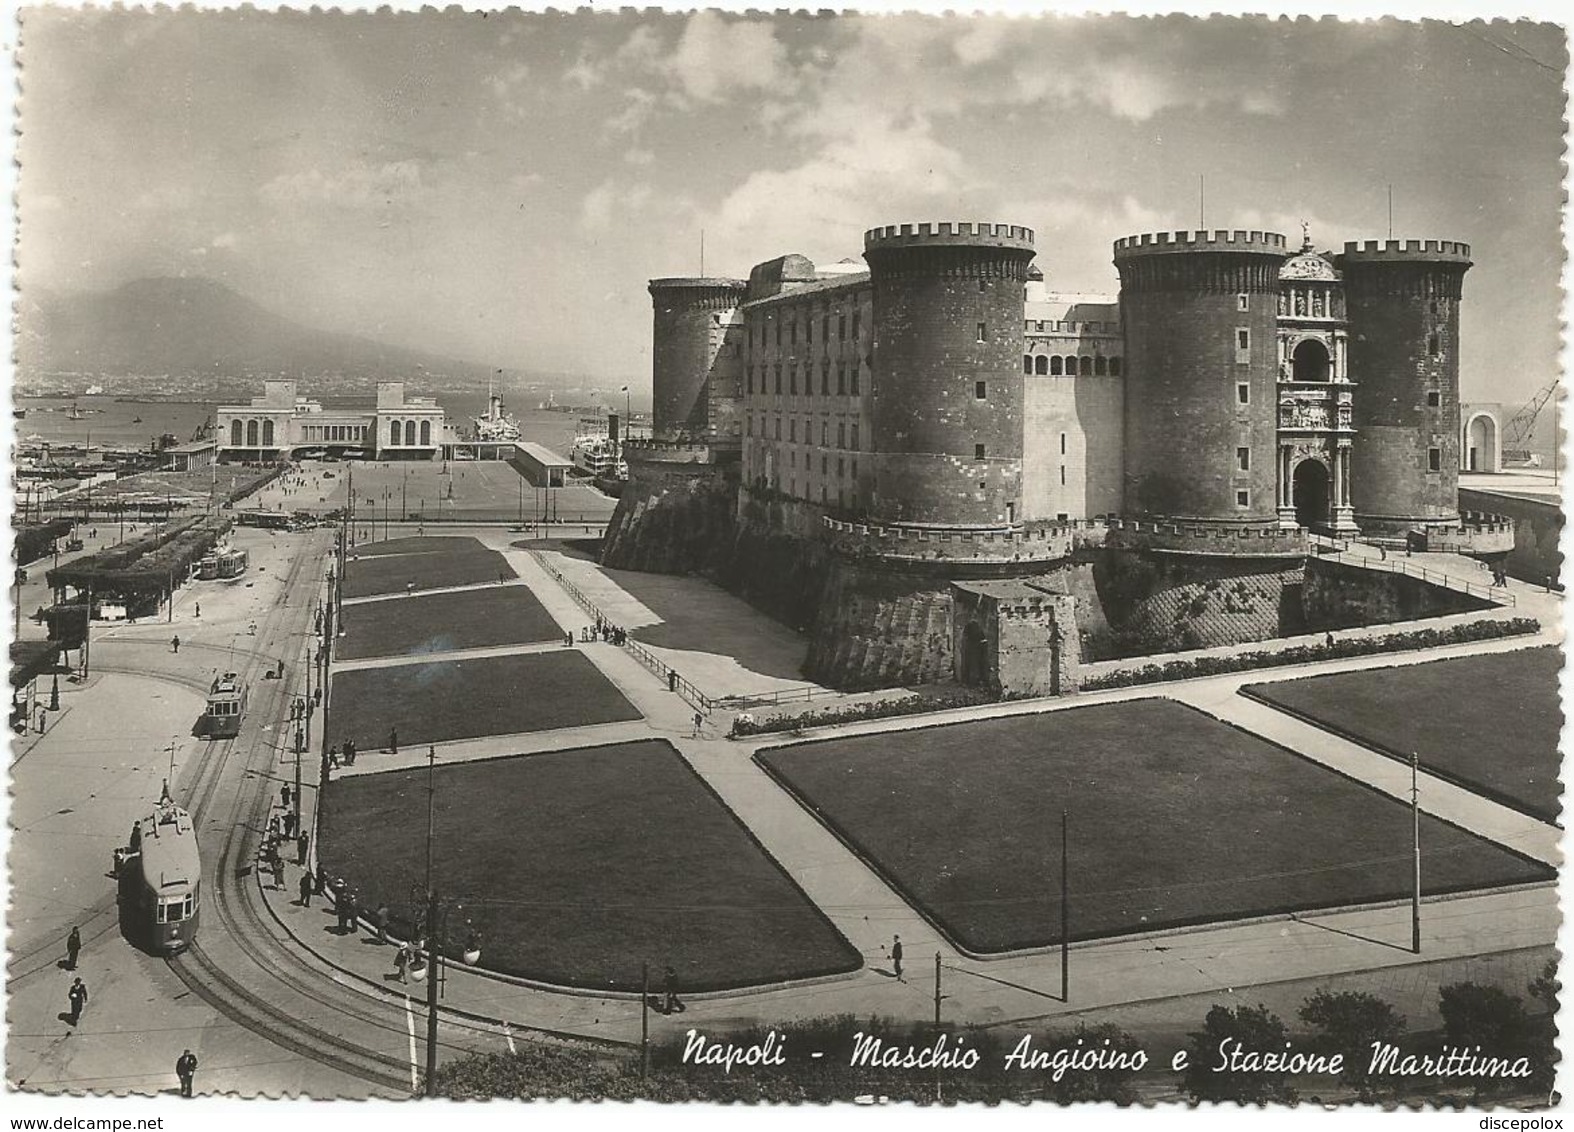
(947,409)
(1403,300)
(695,360)
(1200,313)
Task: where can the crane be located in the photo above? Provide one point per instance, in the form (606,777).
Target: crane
(1523,423)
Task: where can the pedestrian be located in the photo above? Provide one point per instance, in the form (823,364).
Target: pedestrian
(78,996)
(673,1003)
(289,825)
(393,740)
(380,917)
(698,720)
(40,721)
(568,640)
(1382,552)
(174,643)
(333,757)
(302,843)
(402,963)
(349,752)
(284,795)
(186,1070)
(896,957)
(278,872)
(306,889)
(199,611)
(672,679)
(350,911)
(409,589)
(1329,640)
(73,948)
(274,828)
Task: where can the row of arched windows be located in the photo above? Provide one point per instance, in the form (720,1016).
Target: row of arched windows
(1071,365)
(407,430)
(251,434)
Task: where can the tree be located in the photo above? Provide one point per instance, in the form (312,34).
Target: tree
(1544,1050)
(1250,1030)
(1112,1084)
(1348,1022)
(1476,1015)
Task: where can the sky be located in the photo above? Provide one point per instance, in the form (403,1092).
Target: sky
(501,187)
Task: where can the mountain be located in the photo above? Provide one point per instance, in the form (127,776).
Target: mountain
(199,328)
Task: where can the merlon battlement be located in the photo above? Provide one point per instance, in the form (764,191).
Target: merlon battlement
(1432,251)
(1219,240)
(961,234)
(699,283)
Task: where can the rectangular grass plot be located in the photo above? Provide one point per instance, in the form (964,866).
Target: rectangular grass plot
(422,564)
(442,700)
(442,622)
(1174,818)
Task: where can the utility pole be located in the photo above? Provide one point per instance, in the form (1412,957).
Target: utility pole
(300,750)
(937,990)
(644,1020)
(434,947)
(1415,841)
(1065,915)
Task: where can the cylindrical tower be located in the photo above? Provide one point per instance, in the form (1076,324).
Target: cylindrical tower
(1402,299)
(692,320)
(946,410)
(1201,324)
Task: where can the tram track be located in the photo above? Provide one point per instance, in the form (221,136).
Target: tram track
(280,995)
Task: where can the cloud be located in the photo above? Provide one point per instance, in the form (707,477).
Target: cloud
(717,56)
(607,202)
(355,186)
(223,240)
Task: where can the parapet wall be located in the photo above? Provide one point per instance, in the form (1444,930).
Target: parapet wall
(1391,250)
(983,235)
(1222,239)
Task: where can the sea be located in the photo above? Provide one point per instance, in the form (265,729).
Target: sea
(121,422)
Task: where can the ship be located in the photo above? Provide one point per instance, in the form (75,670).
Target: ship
(495,424)
(94,391)
(596,453)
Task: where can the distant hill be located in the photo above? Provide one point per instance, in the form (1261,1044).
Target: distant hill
(200,328)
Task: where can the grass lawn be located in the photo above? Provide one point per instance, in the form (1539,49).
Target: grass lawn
(501,615)
(420,544)
(1489,723)
(451,699)
(578,866)
(1175,818)
(460,562)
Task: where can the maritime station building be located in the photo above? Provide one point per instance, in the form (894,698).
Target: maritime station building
(280,424)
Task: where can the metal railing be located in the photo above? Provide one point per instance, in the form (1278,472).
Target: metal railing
(1435,577)
(674,680)
(781,696)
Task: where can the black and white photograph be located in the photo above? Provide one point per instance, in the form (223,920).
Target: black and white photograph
(892,559)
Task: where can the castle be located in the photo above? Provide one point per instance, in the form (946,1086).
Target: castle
(936,423)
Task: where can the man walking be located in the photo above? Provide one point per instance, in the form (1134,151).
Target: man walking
(349,752)
(673,1003)
(174,644)
(896,957)
(186,1070)
(306,890)
(78,996)
(393,740)
(278,872)
(73,948)
(302,843)
(699,721)
(284,796)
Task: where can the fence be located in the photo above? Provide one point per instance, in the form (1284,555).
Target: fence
(1435,577)
(663,670)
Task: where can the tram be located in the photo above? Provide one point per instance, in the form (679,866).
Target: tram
(232,563)
(226,705)
(160,878)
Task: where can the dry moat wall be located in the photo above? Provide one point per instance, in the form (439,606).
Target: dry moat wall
(872,624)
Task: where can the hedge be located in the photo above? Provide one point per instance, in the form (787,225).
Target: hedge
(869,709)
(1188,667)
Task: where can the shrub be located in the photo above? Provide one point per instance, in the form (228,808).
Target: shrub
(1186,668)
(1348,1022)
(1257,1029)
(869,709)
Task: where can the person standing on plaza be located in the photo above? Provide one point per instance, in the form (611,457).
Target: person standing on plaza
(174,644)
(186,1070)
(278,871)
(393,740)
(896,957)
(673,1003)
(349,752)
(78,998)
(73,948)
(699,721)
(284,795)
(306,890)
(302,843)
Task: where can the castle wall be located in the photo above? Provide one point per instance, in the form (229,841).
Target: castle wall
(674,516)
(1200,314)
(946,413)
(1337,596)
(1538,526)
(1072,459)
(881,628)
(1403,307)
(696,357)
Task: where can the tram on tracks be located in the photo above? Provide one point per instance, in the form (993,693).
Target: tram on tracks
(226,706)
(160,878)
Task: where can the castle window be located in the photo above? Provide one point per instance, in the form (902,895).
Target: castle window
(841,434)
(1243,346)
(1114,367)
(825,379)
(1041,364)
(841,326)
(841,379)
(792,458)
(841,466)
(1087,366)
(792,380)
(751,379)
(778,333)
(1434,398)
(1243,302)
(825,432)
(792,430)
(857,319)
(978,451)
(852,468)
(1243,459)
(1432,347)
(1027,363)
(792,335)
(824,461)
(825,329)
(983,335)
(1101,365)
(1434,459)
(748,425)
(1434,306)
(1243,499)
(1062,475)
(979,391)
(1054,365)
(983,285)
(854,442)
(1243,393)
(778,378)
(1062,444)
(778,428)
(855,379)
